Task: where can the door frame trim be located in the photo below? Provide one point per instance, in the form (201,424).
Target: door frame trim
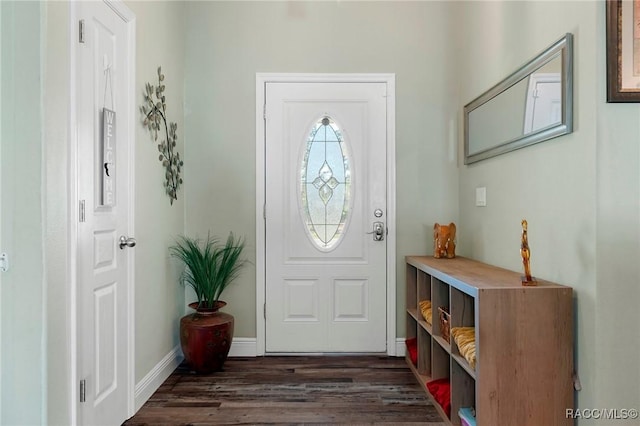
(261,80)
(127,15)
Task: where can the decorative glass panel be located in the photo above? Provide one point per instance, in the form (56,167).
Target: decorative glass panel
(325,184)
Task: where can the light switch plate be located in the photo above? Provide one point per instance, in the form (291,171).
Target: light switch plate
(481,196)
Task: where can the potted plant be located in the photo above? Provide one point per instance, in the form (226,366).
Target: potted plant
(210,266)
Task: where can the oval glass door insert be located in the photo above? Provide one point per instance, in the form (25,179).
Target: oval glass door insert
(325,178)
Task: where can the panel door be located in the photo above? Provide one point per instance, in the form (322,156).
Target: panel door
(325,198)
(105,120)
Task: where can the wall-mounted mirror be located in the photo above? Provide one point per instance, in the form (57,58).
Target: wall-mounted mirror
(532,105)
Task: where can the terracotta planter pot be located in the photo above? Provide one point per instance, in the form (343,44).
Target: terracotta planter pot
(205,337)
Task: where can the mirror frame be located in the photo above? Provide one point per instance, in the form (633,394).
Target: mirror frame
(564,46)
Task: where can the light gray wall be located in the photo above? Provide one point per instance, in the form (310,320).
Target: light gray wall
(617,243)
(2,36)
(55,54)
(22,311)
(229,42)
(159,298)
(580,193)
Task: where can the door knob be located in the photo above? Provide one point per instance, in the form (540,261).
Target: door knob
(378,231)
(127,242)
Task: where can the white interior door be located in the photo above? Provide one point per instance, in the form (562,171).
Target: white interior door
(326,185)
(105,116)
(544,102)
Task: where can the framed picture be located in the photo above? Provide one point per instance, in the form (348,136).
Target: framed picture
(623,50)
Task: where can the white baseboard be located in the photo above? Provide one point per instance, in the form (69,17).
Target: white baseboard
(401,348)
(244,346)
(158,374)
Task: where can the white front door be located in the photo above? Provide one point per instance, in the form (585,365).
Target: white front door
(105,119)
(326,193)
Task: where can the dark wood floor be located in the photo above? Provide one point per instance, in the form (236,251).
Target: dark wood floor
(292,390)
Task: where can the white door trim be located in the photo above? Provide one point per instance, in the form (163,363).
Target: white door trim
(129,17)
(1,247)
(261,80)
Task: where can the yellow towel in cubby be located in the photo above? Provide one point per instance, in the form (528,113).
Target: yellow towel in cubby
(465,338)
(425,308)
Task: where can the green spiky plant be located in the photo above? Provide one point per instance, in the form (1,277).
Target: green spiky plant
(209,266)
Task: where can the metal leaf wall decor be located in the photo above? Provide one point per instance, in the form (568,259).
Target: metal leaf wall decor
(154,118)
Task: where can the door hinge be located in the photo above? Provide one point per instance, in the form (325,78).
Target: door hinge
(264,112)
(81,211)
(264,211)
(81,31)
(264,310)
(83,390)
(4,262)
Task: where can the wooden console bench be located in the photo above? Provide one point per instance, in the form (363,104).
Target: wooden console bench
(523,371)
